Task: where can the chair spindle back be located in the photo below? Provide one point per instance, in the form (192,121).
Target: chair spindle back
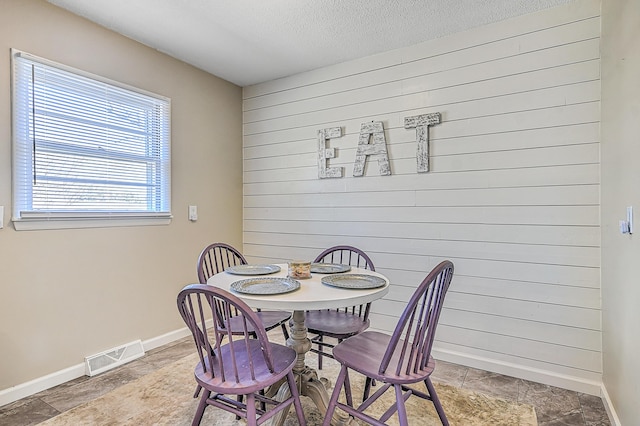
(417,325)
(349,255)
(215,258)
(346,255)
(199,302)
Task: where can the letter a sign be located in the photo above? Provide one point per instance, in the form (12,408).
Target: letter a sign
(378,149)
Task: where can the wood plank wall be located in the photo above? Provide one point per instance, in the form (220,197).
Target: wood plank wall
(512,196)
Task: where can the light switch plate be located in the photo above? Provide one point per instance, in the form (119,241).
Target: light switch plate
(1,217)
(193,213)
(624,227)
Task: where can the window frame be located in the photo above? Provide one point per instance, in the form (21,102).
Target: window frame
(52,219)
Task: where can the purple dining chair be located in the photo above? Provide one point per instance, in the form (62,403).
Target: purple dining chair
(217,257)
(344,322)
(244,365)
(396,360)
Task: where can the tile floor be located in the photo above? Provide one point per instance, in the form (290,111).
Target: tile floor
(554,406)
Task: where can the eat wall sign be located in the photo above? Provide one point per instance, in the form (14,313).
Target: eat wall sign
(372,143)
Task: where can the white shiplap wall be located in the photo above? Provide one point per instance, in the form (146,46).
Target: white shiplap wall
(512,197)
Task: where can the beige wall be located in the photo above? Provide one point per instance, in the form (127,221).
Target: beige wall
(65,294)
(621,188)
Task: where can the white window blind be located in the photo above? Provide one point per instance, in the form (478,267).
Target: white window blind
(86,148)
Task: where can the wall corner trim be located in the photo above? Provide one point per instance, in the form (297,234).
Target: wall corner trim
(608,406)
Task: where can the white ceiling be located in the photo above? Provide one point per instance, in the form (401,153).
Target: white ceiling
(251,41)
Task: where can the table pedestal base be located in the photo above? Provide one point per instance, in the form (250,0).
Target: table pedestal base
(306,378)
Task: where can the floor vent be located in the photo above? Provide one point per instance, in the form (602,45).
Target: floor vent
(111,358)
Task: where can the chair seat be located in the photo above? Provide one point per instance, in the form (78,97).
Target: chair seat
(364,352)
(339,325)
(283,357)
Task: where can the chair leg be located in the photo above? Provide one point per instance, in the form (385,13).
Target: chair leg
(436,401)
(251,410)
(285,332)
(201,406)
(367,388)
(402,410)
(334,396)
(321,349)
(263,405)
(239,398)
(347,390)
(197,392)
(293,388)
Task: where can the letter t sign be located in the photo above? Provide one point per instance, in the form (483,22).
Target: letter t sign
(422,123)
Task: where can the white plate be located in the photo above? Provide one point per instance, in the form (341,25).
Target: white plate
(329,268)
(253,269)
(265,285)
(355,281)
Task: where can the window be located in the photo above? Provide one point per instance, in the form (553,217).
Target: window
(86,151)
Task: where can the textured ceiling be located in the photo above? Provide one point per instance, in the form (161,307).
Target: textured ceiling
(251,41)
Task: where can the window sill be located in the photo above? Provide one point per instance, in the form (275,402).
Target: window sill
(55,221)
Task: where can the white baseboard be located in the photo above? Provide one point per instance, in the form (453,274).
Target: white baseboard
(576,384)
(172,336)
(31,387)
(608,405)
(573,383)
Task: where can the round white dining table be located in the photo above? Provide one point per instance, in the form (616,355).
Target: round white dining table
(311,295)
